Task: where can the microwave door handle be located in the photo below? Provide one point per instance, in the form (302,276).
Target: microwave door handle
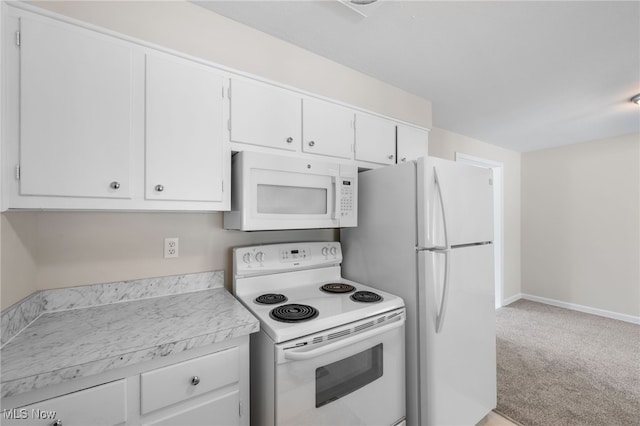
(294,355)
(336,197)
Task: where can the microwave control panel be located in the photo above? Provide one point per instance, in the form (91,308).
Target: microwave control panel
(348,201)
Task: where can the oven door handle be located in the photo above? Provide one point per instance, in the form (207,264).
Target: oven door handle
(294,355)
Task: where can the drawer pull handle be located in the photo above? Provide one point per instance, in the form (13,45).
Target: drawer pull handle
(159,188)
(311,143)
(113,185)
(58,422)
(289,139)
(195,380)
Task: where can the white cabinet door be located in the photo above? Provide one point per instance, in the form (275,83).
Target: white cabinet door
(265,115)
(184,130)
(327,129)
(412,143)
(102,405)
(75,112)
(375,139)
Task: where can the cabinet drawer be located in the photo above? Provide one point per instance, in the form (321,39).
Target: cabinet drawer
(165,386)
(101,405)
(221,411)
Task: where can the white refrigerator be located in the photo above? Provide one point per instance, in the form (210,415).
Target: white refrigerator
(425,232)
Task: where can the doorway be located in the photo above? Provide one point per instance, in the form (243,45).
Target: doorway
(498,219)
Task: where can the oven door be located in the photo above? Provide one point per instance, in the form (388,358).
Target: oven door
(357,379)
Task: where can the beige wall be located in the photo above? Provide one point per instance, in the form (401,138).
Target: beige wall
(581,224)
(59,249)
(18,247)
(445,144)
(43,250)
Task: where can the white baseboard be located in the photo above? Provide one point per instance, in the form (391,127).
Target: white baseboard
(510,300)
(573,306)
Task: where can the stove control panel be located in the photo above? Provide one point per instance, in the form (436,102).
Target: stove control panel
(295,254)
(273,258)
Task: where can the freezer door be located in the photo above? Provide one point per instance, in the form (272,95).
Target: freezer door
(455,203)
(458,363)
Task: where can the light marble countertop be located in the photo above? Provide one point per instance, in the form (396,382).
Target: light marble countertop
(61,346)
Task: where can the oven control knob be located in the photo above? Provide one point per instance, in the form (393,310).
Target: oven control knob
(247,258)
(325,251)
(333,251)
(259,256)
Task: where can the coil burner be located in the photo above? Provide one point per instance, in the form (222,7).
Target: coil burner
(338,288)
(271,299)
(293,313)
(366,297)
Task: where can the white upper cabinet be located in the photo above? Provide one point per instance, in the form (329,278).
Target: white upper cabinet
(98,122)
(265,115)
(375,139)
(327,128)
(412,143)
(184,130)
(75,112)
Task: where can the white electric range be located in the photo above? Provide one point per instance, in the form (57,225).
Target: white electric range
(330,351)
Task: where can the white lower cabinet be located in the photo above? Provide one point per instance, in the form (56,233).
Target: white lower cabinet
(102,405)
(211,389)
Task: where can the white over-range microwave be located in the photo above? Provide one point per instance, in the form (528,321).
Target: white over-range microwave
(279,192)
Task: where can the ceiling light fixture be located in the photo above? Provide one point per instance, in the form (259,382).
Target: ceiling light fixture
(636,99)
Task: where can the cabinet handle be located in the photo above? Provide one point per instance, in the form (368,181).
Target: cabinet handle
(159,188)
(115,185)
(289,139)
(403,159)
(195,380)
(58,422)
(390,157)
(311,143)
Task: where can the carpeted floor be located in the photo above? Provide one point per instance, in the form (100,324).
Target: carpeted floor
(561,367)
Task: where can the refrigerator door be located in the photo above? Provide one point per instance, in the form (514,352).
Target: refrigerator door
(458,363)
(455,203)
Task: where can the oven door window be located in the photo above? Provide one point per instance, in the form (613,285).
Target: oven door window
(333,381)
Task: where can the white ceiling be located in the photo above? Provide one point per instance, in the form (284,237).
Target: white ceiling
(518,74)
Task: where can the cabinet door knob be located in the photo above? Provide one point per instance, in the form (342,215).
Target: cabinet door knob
(115,185)
(159,188)
(311,143)
(390,157)
(403,159)
(289,139)
(195,380)
(58,422)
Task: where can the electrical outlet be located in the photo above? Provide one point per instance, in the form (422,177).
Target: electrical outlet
(171,247)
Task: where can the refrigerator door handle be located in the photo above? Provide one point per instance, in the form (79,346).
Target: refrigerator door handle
(445,290)
(442,208)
